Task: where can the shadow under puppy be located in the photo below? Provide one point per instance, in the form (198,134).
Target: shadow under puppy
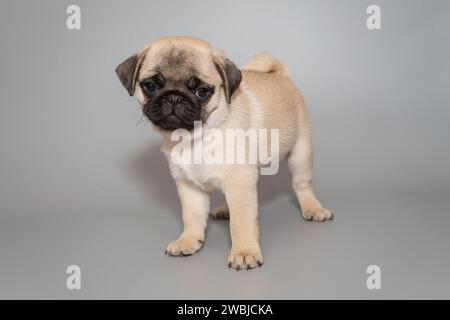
(179,81)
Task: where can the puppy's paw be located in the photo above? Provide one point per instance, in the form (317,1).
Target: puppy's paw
(221,212)
(184,246)
(245,259)
(318,214)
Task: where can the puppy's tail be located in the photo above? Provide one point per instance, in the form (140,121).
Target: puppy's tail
(265,62)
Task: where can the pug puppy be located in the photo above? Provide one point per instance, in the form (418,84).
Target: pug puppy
(181,80)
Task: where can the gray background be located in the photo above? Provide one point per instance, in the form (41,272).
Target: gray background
(81,183)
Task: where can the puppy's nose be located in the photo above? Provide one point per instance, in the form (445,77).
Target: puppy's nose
(174,99)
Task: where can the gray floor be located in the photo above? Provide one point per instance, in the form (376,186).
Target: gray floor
(82,184)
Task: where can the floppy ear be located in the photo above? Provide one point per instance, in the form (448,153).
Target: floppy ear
(231,76)
(126,71)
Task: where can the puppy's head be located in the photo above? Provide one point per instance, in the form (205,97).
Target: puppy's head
(180,80)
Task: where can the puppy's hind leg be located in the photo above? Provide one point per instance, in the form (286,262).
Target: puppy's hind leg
(221,212)
(301,165)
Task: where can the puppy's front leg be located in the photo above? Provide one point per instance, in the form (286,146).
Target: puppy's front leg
(195,209)
(241,195)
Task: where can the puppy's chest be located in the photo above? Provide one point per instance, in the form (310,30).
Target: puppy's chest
(206,176)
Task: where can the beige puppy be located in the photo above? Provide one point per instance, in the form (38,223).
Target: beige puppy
(180,80)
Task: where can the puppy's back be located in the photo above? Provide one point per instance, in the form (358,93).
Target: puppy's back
(279,102)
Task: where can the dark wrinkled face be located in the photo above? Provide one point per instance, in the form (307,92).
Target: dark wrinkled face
(180,80)
(173,104)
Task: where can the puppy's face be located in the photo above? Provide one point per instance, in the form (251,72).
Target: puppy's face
(178,81)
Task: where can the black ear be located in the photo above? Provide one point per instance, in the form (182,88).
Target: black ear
(231,77)
(126,71)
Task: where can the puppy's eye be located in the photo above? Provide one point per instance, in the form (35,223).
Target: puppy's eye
(149,86)
(159,80)
(202,92)
(193,83)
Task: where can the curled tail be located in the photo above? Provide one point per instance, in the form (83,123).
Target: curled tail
(265,62)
